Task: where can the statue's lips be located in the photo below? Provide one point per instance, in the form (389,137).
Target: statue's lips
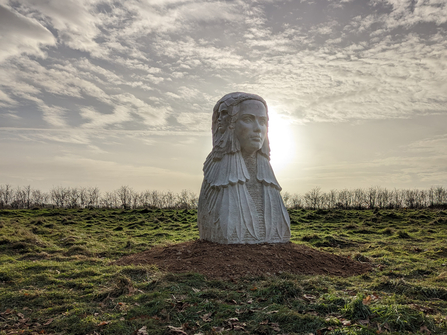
(256,138)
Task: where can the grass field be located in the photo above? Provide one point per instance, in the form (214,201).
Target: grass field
(56,276)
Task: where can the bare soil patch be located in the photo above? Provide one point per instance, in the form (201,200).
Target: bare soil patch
(230,261)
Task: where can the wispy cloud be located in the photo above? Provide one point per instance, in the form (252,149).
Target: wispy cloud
(74,21)
(21,34)
(5,100)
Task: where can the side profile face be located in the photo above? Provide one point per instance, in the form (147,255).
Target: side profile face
(223,121)
(251,126)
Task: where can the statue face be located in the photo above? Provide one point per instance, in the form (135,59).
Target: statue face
(251,125)
(222,121)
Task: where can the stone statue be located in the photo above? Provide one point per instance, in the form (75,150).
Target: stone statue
(240,201)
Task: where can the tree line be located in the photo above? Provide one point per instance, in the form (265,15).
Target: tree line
(91,197)
(373,197)
(26,197)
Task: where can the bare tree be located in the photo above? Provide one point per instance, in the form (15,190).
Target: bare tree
(440,195)
(124,194)
(83,197)
(146,199)
(372,197)
(431,196)
(73,197)
(286,199)
(18,199)
(94,196)
(186,200)
(135,200)
(169,199)
(312,198)
(38,198)
(332,198)
(344,199)
(359,198)
(383,198)
(157,199)
(193,200)
(59,196)
(110,200)
(6,194)
(424,198)
(25,195)
(396,199)
(296,201)
(409,199)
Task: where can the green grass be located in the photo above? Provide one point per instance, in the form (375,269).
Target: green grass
(56,276)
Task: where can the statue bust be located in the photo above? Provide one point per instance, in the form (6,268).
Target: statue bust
(240,199)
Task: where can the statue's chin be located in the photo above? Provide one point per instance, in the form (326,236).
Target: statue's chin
(248,151)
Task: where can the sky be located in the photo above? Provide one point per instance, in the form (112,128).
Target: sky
(109,93)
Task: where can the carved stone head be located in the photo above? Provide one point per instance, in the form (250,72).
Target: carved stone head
(240,123)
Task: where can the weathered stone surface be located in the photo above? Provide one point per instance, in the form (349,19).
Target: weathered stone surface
(240,199)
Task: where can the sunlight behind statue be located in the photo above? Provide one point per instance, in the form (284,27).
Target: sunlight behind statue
(240,201)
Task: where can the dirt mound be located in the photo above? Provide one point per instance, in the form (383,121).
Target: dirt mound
(227,261)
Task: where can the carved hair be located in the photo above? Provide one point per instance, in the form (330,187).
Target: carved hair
(226,142)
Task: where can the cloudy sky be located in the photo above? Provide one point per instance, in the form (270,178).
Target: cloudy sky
(108,93)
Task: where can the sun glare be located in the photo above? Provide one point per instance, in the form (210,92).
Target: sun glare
(282,141)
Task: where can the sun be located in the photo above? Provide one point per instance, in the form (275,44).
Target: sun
(282,141)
